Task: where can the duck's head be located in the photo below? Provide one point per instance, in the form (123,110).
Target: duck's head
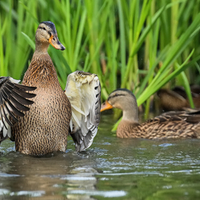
(46,34)
(124,100)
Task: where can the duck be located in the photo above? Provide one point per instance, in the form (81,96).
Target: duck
(176,98)
(38,115)
(172,124)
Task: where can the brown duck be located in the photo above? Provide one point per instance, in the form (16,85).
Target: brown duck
(168,125)
(42,127)
(176,99)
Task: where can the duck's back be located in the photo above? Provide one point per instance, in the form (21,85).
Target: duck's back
(45,127)
(163,126)
(166,126)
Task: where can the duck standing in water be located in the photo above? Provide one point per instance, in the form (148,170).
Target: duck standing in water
(168,125)
(48,118)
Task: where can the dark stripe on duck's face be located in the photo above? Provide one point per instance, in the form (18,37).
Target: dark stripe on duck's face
(116,95)
(43,28)
(50,25)
(49,33)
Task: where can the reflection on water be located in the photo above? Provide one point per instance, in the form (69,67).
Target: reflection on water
(112,168)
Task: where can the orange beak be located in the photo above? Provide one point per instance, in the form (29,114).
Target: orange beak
(54,41)
(105,106)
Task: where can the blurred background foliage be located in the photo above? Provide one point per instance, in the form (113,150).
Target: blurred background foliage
(141,45)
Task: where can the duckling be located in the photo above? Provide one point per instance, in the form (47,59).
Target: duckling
(45,126)
(168,125)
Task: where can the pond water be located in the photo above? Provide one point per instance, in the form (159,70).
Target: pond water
(112,168)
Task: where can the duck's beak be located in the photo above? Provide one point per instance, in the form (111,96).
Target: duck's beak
(105,106)
(54,41)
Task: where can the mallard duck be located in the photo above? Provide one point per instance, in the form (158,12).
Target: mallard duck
(176,99)
(44,125)
(168,125)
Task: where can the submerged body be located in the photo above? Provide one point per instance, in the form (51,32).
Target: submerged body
(167,125)
(161,127)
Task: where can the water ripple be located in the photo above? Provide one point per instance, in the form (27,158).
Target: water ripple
(109,194)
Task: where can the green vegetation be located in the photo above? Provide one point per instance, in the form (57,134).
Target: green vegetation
(136,44)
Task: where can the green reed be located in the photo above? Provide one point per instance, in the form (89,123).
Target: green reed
(134,44)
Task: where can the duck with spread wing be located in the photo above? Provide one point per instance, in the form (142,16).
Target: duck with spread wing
(38,114)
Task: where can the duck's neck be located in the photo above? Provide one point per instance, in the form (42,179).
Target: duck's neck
(41,47)
(41,71)
(130,113)
(128,123)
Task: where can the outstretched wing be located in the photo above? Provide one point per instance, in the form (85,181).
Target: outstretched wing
(84,93)
(13,100)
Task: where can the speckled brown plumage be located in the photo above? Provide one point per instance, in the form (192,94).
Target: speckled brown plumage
(167,125)
(45,126)
(164,126)
(41,125)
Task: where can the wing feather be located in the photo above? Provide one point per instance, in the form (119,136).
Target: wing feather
(13,100)
(84,93)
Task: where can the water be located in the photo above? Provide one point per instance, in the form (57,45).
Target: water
(112,168)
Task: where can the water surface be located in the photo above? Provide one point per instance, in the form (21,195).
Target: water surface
(112,168)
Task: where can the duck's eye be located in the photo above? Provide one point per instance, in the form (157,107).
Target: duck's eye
(53,39)
(44,28)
